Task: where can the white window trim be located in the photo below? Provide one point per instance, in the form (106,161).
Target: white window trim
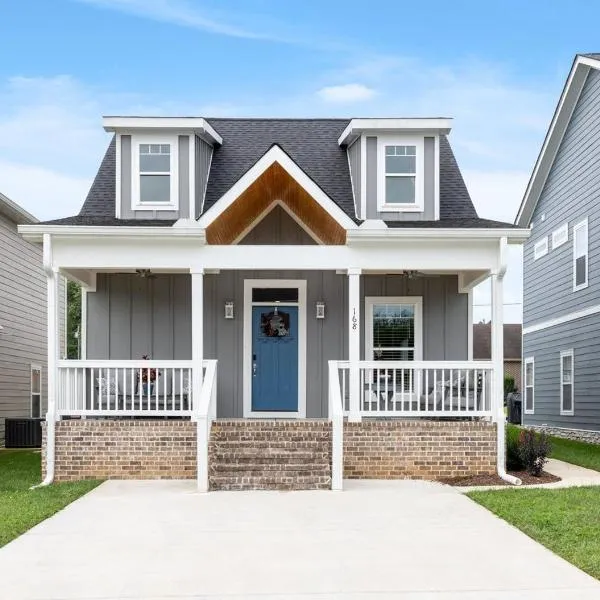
(581,225)
(541,248)
(560,236)
(419,142)
(528,361)
(136,141)
(417,301)
(33,368)
(563,354)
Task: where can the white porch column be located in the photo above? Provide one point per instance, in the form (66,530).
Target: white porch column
(354,342)
(53,335)
(197,336)
(498,362)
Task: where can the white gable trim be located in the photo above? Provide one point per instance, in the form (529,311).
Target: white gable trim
(556,131)
(266,211)
(276,154)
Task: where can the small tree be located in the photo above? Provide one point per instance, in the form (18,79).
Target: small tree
(73,319)
(509,385)
(534,449)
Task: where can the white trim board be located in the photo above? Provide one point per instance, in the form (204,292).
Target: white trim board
(580,314)
(249,285)
(276,155)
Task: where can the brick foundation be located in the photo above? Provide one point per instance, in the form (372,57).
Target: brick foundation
(431,450)
(123,449)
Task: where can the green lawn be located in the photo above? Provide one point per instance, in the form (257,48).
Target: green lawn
(22,508)
(577,453)
(567,521)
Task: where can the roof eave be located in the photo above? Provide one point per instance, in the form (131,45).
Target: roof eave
(359,236)
(356,127)
(15,212)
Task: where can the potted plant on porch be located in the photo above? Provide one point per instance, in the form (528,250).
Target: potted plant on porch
(147,377)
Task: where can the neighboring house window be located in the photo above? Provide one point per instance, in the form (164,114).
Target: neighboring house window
(541,248)
(394,328)
(154,184)
(36,391)
(580,255)
(400,182)
(529,387)
(567,382)
(560,236)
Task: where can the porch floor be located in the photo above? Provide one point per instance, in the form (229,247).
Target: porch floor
(395,539)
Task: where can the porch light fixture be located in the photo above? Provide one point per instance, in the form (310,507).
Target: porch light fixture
(229,309)
(320,306)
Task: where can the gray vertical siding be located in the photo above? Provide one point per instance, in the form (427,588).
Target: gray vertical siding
(569,195)
(354,158)
(428,213)
(184,183)
(129,316)
(23,318)
(203,159)
(545,346)
(278,228)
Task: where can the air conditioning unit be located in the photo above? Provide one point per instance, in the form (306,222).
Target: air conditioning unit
(23,433)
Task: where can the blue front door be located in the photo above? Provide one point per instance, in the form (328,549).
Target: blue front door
(275,358)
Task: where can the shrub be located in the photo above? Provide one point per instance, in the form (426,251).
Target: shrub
(509,385)
(534,449)
(513,456)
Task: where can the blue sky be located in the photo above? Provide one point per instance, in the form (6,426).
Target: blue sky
(497,68)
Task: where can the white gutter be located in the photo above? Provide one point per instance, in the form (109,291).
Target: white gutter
(51,414)
(382,235)
(500,417)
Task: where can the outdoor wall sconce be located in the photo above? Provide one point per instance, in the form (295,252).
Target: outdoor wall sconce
(229,310)
(320,310)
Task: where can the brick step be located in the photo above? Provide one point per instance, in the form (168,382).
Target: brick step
(270,454)
(274,481)
(305,445)
(319,468)
(270,435)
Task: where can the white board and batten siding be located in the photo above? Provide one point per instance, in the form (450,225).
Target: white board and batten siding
(570,195)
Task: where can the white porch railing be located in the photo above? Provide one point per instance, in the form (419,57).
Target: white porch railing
(125,387)
(420,388)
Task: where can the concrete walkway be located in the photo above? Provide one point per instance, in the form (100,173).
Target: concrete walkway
(570,476)
(161,540)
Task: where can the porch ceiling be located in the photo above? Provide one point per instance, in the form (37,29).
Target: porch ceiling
(275,184)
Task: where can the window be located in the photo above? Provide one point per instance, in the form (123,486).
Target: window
(400,186)
(541,248)
(567,380)
(394,330)
(154,184)
(580,255)
(529,377)
(36,391)
(560,236)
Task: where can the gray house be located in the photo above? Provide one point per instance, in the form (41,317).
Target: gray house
(262,295)
(561,310)
(23,349)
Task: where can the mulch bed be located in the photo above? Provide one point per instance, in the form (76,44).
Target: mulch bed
(525,477)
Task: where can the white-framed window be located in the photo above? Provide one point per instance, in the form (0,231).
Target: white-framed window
(400,174)
(394,328)
(580,255)
(541,248)
(36,391)
(529,386)
(567,382)
(155,176)
(560,236)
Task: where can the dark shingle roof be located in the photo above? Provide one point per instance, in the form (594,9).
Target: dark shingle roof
(482,341)
(312,144)
(109,221)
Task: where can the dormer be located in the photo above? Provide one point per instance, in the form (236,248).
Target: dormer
(162,165)
(394,166)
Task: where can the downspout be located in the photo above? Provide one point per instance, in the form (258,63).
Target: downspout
(498,350)
(52,354)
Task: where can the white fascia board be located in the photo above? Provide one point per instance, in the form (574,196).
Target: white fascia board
(276,155)
(368,236)
(183,124)
(357,126)
(558,126)
(35,233)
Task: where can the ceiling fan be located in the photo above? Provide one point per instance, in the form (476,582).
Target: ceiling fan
(145,273)
(414,274)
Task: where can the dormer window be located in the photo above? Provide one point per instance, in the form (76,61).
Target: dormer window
(400,174)
(154,181)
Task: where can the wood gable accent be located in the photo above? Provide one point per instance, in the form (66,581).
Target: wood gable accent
(275,184)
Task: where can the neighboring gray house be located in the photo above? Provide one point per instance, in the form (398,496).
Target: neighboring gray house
(561,305)
(23,348)
(255,280)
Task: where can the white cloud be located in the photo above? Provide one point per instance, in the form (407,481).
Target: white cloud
(350,92)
